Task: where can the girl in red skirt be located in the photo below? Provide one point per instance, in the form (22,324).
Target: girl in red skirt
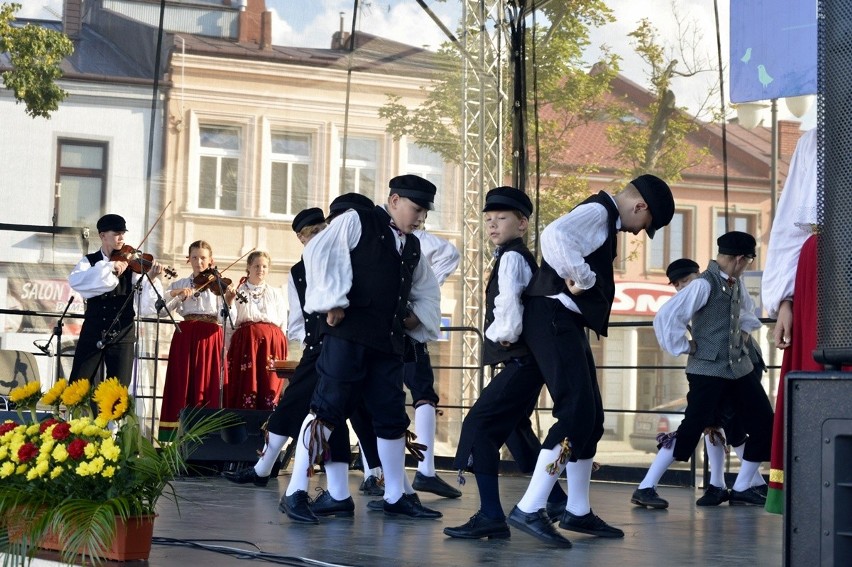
(195,372)
(258,339)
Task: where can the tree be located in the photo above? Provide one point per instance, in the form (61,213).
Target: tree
(35,54)
(567,94)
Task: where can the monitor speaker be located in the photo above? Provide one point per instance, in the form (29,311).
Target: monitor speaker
(238,443)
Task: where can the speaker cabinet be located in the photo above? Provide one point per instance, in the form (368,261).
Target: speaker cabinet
(237,443)
(818,469)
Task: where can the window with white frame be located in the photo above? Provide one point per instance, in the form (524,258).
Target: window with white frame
(218,171)
(81,174)
(671,242)
(291,164)
(430,165)
(359,173)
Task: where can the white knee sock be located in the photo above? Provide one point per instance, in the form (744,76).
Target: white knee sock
(579,476)
(541,483)
(746,476)
(424,428)
(367,469)
(337,479)
(392,455)
(299,477)
(716,460)
(406,485)
(274,444)
(758,479)
(664,459)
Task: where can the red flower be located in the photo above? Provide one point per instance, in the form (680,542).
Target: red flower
(61,431)
(45,424)
(76,447)
(7,427)
(27,452)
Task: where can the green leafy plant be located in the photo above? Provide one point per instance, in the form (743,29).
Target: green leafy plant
(73,477)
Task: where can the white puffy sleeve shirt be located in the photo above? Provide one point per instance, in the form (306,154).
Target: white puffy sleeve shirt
(265,305)
(295,318)
(512,279)
(796,207)
(441,255)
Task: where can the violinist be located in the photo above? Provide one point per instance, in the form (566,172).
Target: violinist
(195,365)
(108,335)
(259,338)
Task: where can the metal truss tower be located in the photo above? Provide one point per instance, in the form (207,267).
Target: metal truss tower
(482,163)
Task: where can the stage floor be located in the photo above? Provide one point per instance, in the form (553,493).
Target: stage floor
(228,517)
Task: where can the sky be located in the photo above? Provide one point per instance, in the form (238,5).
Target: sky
(312,23)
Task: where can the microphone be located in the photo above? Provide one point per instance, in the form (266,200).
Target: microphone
(43,348)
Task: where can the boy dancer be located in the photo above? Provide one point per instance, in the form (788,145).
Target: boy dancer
(505,403)
(574,290)
(719,367)
(364,272)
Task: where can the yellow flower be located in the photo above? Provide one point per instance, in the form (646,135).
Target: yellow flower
(108,472)
(7,469)
(56,472)
(112,399)
(91,449)
(22,394)
(60,454)
(76,393)
(54,395)
(110,450)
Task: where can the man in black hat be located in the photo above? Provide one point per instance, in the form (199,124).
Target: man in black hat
(720,367)
(681,272)
(108,335)
(365,276)
(572,291)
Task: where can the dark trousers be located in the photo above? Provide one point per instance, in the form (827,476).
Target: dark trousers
(557,339)
(115,358)
(418,375)
(750,404)
(501,415)
(347,371)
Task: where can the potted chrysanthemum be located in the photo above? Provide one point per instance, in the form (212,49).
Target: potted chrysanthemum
(79,483)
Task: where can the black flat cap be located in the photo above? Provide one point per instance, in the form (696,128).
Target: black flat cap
(421,191)
(112,222)
(343,203)
(658,196)
(308,217)
(508,199)
(736,243)
(679,269)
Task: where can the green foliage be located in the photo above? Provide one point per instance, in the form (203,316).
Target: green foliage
(35,54)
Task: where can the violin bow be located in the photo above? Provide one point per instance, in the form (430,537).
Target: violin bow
(147,234)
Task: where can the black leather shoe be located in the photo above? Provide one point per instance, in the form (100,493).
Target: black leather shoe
(297,507)
(713,496)
(538,525)
(555,509)
(435,485)
(588,524)
(372,486)
(379,505)
(409,505)
(246,476)
(648,497)
(480,526)
(762,489)
(748,497)
(325,505)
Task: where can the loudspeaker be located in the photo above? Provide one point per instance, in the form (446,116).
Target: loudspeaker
(237,443)
(818,475)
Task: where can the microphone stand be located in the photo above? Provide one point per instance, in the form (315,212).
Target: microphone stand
(226,317)
(57,332)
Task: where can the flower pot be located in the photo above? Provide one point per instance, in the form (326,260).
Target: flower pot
(132,539)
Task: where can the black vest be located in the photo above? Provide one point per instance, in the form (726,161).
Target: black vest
(596,303)
(494,353)
(103,307)
(381,283)
(312,335)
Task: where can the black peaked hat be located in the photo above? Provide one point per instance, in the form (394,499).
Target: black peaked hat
(736,243)
(508,199)
(308,217)
(681,268)
(343,203)
(112,222)
(421,191)
(658,196)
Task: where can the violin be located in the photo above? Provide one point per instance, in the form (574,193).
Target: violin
(211,279)
(138,261)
